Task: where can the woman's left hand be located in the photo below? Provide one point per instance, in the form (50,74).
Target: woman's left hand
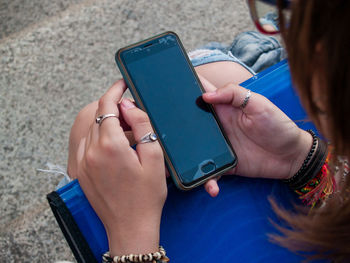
(267,142)
(126,188)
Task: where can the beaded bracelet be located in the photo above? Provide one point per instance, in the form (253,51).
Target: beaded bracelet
(156,257)
(313,167)
(301,171)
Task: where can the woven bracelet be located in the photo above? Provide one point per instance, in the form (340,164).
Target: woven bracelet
(320,187)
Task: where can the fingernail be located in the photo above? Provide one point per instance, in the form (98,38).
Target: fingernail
(127,104)
(212,192)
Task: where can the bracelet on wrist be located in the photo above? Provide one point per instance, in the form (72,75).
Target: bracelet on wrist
(318,188)
(313,182)
(313,167)
(156,257)
(301,172)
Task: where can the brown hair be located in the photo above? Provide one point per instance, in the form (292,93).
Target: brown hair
(318,44)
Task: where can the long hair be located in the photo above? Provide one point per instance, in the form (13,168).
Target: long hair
(318,44)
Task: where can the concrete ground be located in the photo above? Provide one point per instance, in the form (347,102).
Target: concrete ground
(55,57)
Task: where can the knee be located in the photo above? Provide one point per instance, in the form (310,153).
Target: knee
(79,130)
(86,115)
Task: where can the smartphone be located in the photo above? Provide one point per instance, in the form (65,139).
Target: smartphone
(164,84)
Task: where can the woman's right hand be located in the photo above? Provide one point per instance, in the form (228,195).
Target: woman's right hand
(268,144)
(126,188)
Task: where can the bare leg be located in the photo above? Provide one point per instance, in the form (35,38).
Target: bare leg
(218,73)
(79,130)
(222,73)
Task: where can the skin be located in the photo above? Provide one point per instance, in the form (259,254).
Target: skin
(219,74)
(109,169)
(120,183)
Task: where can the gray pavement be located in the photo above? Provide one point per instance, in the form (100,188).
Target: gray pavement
(55,57)
(16,15)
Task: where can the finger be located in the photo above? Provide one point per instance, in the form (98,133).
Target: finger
(93,134)
(212,187)
(130,137)
(112,96)
(123,124)
(230,94)
(207,85)
(149,153)
(108,104)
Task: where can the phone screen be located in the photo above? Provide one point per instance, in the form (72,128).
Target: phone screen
(171,95)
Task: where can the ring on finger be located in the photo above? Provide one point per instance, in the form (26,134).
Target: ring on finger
(101,118)
(246,99)
(148,137)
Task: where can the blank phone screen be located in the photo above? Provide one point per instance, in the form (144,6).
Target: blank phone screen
(171,96)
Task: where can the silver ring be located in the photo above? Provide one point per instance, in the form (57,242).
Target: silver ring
(246,100)
(149,137)
(101,118)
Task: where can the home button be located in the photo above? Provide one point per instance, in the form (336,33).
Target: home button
(208,167)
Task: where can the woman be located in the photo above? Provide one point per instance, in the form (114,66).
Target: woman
(127,188)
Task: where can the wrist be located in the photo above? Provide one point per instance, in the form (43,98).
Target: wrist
(142,239)
(302,150)
(158,256)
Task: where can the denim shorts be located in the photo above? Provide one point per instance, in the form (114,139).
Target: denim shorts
(252,50)
(204,56)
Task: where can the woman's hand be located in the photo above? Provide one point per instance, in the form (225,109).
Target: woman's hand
(126,188)
(268,144)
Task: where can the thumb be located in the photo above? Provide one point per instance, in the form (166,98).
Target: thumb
(212,187)
(230,94)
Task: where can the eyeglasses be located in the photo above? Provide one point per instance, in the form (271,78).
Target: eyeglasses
(265,14)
